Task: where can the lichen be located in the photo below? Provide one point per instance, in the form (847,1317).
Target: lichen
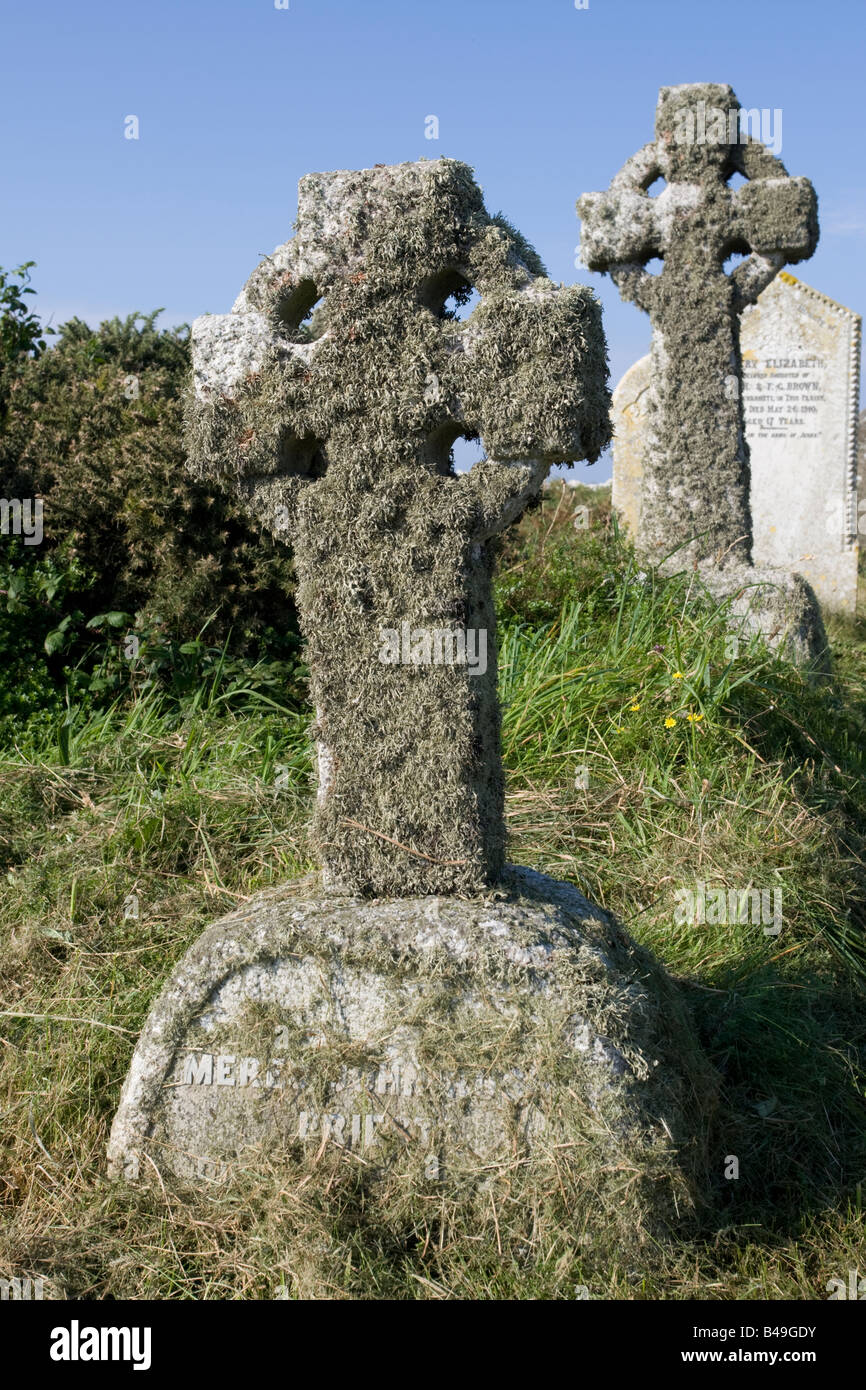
(337,426)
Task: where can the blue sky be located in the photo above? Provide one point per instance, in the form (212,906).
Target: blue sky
(236,99)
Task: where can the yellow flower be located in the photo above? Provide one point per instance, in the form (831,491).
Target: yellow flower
(694,718)
(678,675)
(669,723)
(634,708)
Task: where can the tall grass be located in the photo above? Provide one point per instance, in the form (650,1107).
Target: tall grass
(644,755)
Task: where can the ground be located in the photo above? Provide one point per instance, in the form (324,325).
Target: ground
(644,757)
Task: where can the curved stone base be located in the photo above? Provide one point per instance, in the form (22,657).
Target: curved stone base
(443,1034)
(779,605)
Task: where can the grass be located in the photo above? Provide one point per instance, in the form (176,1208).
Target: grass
(124,832)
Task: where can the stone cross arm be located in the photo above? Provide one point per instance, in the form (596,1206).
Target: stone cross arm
(774,221)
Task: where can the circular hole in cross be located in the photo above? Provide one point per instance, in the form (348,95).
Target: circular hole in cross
(654,265)
(452,449)
(733,254)
(731,262)
(449,295)
(301,456)
(300,312)
(657,186)
(467,450)
(458,307)
(312,325)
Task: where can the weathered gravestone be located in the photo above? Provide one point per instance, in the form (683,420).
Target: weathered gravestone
(801,378)
(449,1034)
(383,1015)
(695,467)
(630,419)
(800,354)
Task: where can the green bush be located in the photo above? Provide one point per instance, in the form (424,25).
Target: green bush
(21,334)
(92,425)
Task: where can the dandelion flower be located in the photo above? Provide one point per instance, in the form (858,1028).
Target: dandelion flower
(669,723)
(678,675)
(634,708)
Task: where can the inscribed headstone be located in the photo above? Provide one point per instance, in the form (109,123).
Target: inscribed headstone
(801,358)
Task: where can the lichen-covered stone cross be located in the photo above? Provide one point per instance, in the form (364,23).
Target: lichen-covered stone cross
(695,494)
(337,430)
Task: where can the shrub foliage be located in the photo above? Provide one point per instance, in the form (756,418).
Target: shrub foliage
(132,544)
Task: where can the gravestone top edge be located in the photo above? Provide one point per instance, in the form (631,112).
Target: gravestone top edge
(786,278)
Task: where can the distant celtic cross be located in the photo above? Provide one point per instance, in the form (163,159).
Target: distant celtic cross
(695,493)
(336,423)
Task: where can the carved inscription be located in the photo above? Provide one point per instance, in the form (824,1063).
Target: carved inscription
(351,1117)
(782,396)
